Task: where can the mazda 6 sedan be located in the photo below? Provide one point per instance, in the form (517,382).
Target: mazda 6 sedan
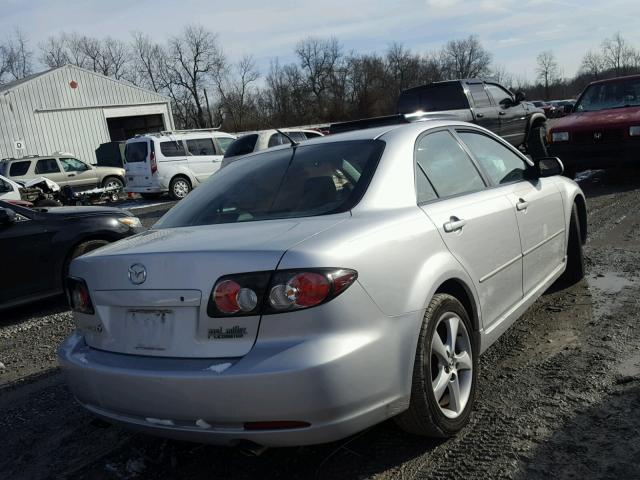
(329,286)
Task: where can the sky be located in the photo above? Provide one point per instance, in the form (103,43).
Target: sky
(514,31)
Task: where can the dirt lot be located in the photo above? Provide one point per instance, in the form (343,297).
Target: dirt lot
(559,393)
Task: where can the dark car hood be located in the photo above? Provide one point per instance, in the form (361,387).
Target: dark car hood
(614,117)
(84,211)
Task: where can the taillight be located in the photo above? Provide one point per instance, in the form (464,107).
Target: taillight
(261,293)
(152,159)
(78,296)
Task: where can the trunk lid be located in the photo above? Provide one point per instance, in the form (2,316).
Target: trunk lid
(163,311)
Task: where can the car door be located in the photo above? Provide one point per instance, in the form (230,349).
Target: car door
(78,173)
(50,168)
(513,116)
(536,203)
(28,256)
(478,225)
(485,112)
(203,158)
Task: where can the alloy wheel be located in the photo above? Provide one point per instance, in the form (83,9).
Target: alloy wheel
(451,361)
(180,188)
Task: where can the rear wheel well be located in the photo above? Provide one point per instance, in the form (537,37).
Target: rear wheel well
(459,290)
(72,249)
(181,175)
(582,217)
(535,122)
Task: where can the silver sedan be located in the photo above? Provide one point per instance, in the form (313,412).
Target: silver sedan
(309,291)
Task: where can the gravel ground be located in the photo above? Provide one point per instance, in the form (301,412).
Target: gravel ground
(559,393)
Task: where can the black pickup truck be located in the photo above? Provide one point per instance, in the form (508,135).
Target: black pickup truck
(474,100)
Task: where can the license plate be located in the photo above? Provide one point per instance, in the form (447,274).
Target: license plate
(150,329)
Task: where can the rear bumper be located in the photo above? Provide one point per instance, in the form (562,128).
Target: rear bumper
(582,157)
(338,382)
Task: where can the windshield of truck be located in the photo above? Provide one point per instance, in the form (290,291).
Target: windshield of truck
(615,94)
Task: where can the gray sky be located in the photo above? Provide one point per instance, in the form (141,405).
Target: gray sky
(515,31)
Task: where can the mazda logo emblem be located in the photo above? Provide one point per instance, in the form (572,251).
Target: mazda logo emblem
(597,136)
(137,273)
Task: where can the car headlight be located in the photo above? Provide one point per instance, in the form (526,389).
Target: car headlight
(131,222)
(634,130)
(560,137)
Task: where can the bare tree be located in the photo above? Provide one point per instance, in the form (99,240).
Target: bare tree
(194,58)
(404,68)
(15,57)
(547,70)
(113,58)
(618,54)
(236,91)
(53,52)
(318,59)
(593,64)
(465,58)
(148,60)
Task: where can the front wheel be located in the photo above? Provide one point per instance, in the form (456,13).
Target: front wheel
(179,187)
(112,182)
(537,142)
(445,371)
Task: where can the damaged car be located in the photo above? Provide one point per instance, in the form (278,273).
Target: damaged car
(309,291)
(38,245)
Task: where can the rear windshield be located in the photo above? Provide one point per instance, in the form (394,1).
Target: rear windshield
(135,152)
(433,98)
(286,183)
(242,145)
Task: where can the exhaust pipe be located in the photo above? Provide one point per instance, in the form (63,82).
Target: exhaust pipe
(251,449)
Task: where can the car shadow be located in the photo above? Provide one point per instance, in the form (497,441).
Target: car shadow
(48,306)
(596,183)
(600,442)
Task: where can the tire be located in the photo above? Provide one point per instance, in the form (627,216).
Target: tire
(575,259)
(81,249)
(428,415)
(179,187)
(536,142)
(113,182)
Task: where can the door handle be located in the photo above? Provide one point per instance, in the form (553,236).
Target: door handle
(501,113)
(454,224)
(522,204)
(71,175)
(479,115)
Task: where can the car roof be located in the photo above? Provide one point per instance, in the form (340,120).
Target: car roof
(615,79)
(273,130)
(169,136)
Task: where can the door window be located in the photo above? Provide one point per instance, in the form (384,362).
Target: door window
(446,165)
(201,146)
(18,169)
(242,145)
(424,189)
(479,95)
(73,165)
(279,139)
(47,165)
(174,148)
(500,95)
(501,164)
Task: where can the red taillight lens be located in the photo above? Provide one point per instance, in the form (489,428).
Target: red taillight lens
(78,296)
(152,159)
(262,293)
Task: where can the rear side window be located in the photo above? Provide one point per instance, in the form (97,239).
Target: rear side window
(174,148)
(47,165)
(312,134)
(224,143)
(201,146)
(500,163)
(18,169)
(135,152)
(285,183)
(447,165)
(242,145)
(433,98)
(479,95)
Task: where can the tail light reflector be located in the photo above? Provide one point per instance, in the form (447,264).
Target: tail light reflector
(152,159)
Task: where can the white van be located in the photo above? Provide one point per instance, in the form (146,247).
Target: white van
(174,162)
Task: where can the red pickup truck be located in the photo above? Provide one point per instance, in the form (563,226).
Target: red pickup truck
(602,129)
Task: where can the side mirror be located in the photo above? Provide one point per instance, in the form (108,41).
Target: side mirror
(7,216)
(520,97)
(548,166)
(568,109)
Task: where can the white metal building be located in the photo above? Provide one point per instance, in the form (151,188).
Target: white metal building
(70,109)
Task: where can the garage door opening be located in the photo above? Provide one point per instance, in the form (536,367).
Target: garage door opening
(123,128)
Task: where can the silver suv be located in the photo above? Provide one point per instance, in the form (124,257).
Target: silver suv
(64,169)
